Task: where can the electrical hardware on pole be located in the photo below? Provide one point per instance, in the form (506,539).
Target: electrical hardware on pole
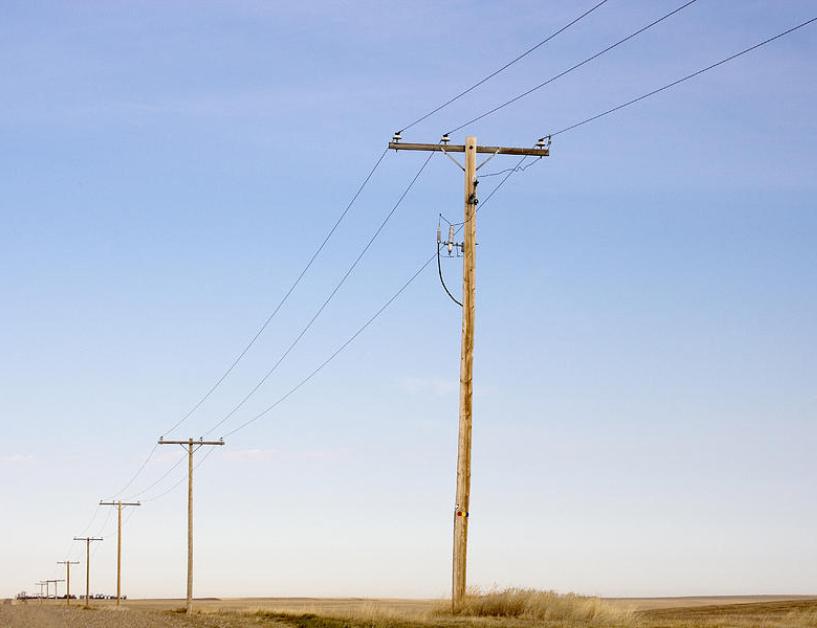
(468,248)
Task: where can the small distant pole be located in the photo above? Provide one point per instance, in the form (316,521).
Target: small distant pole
(119,504)
(55,587)
(191,446)
(88,540)
(67,564)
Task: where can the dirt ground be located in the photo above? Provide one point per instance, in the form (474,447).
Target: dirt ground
(720,612)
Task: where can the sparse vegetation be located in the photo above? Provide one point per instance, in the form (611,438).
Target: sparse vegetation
(543,605)
(512,608)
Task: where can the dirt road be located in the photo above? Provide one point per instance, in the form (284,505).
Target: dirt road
(46,616)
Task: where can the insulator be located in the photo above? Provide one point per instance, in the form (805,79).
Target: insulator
(540,143)
(445,139)
(450,242)
(439,239)
(396,137)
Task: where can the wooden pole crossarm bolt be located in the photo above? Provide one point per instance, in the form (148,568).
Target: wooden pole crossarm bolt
(191,446)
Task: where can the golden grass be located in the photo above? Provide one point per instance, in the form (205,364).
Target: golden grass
(527,608)
(544,606)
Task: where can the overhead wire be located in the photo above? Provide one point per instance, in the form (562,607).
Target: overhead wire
(176,484)
(360,330)
(683,79)
(504,67)
(72,545)
(572,68)
(343,214)
(509,172)
(264,325)
(159,480)
(326,302)
(519,167)
(286,296)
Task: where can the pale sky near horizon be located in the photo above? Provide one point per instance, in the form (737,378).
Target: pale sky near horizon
(645,413)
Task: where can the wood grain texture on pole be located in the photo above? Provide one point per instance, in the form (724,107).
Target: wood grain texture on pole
(190,527)
(463,503)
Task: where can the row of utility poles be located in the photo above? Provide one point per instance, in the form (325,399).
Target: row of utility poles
(191,446)
(463,492)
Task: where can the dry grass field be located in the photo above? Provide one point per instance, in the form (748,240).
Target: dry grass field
(506,609)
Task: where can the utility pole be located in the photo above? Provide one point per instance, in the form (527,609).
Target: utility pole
(40,595)
(191,446)
(463,498)
(88,540)
(67,564)
(55,587)
(119,505)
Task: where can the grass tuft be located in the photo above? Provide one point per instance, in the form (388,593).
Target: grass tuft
(543,606)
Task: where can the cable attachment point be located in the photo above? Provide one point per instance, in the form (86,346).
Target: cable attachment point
(544,142)
(396,137)
(445,139)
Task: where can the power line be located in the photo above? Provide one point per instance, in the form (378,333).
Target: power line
(298,279)
(138,471)
(682,79)
(69,552)
(365,325)
(572,68)
(284,298)
(180,480)
(266,322)
(326,301)
(504,67)
(162,477)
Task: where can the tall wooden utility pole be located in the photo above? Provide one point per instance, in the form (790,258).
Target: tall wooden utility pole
(88,540)
(119,504)
(468,246)
(191,446)
(67,564)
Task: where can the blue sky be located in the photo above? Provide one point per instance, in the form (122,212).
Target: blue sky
(645,395)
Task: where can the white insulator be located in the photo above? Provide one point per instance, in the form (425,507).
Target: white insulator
(439,238)
(450,239)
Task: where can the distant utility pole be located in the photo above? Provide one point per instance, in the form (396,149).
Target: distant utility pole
(119,505)
(67,564)
(40,595)
(191,446)
(88,540)
(55,587)
(468,246)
